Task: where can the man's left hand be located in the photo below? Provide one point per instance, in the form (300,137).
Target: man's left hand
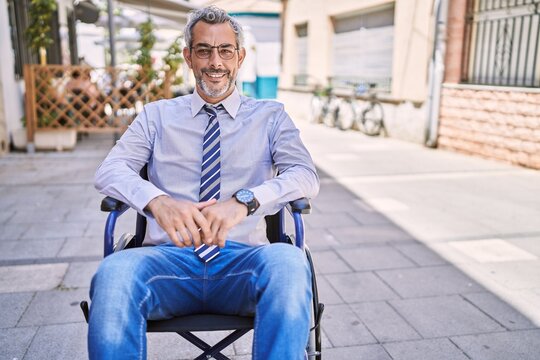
(222,216)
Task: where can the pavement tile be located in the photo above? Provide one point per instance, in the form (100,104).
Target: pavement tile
(12,306)
(319,221)
(55,307)
(23,278)
(500,311)
(371,352)
(420,254)
(375,258)
(335,206)
(165,346)
(15,341)
(522,345)
(243,345)
(30,249)
(344,328)
(44,215)
(377,234)
(327,294)
(516,275)
(328,262)
(429,281)
(82,246)
(384,322)
(320,239)
(11,231)
(5,215)
(54,230)
(79,274)
(371,218)
(444,316)
(66,341)
(434,349)
(359,287)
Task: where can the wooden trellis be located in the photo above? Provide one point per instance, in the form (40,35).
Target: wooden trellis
(88,99)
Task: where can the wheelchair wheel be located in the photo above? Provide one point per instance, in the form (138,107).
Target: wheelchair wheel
(372,119)
(345,115)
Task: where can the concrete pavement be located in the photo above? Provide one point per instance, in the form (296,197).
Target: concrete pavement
(421,254)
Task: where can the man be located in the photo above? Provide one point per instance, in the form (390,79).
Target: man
(210,183)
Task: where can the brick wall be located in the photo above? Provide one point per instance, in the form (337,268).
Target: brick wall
(501,124)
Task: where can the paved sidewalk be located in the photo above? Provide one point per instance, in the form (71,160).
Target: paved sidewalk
(421,254)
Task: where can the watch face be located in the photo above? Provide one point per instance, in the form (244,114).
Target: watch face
(244,196)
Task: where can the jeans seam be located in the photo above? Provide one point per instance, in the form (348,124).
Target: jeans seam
(168,277)
(252,273)
(141,327)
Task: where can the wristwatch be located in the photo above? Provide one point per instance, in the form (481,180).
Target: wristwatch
(246,197)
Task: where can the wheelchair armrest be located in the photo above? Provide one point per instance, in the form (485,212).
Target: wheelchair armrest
(109,204)
(302,206)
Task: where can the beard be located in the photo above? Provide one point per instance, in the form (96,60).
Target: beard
(215,92)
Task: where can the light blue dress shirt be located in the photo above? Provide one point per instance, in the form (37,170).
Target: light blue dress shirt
(258,142)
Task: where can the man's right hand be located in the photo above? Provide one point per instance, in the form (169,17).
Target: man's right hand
(181,220)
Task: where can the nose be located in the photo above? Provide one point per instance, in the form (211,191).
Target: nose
(215,59)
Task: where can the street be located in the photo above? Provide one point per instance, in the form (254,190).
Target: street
(420,253)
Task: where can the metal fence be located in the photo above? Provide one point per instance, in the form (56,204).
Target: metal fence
(502,40)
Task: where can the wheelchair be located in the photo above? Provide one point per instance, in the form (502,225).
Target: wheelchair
(239,325)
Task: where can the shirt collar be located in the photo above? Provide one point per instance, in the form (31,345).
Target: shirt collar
(231,103)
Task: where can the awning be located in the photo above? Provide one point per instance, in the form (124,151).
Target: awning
(175,10)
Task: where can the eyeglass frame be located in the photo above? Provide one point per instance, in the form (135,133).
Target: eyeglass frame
(211,48)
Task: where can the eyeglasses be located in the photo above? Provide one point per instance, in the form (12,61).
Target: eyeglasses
(225,51)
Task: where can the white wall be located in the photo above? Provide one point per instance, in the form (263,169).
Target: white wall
(12,94)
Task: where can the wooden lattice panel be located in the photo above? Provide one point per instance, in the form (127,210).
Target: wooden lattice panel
(88,99)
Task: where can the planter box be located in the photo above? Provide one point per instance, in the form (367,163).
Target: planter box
(61,139)
(19,139)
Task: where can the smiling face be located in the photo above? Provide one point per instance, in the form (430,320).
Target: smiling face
(215,76)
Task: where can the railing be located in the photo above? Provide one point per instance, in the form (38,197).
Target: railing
(502,40)
(88,99)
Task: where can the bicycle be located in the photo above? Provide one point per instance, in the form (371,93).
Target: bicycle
(324,106)
(369,120)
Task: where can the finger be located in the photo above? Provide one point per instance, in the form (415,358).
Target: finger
(186,237)
(222,235)
(203,225)
(174,238)
(194,232)
(204,204)
(215,231)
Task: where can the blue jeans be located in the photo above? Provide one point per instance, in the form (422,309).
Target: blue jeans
(160,282)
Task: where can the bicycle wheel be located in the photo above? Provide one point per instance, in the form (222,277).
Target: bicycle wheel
(372,119)
(329,118)
(345,115)
(315,115)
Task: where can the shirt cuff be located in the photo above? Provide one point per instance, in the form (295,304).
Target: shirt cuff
(143,195)
(266,198)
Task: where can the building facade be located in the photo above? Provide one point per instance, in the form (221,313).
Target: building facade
(490,103)
(346,42)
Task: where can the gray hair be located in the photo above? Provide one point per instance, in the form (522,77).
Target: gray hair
(212,15)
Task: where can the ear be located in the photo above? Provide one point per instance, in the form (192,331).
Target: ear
(241,56)
(187,56)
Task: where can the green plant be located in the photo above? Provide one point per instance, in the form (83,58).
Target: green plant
(39,32)
(143,55)
(174,59)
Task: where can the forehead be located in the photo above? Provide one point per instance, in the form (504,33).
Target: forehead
(213,34)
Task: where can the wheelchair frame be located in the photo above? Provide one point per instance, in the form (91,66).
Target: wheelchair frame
(240,325)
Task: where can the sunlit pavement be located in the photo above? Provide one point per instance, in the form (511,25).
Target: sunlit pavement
(420,253)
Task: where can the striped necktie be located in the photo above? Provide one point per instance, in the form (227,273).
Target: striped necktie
(210,173)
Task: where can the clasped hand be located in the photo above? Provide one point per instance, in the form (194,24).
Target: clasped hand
(189,223)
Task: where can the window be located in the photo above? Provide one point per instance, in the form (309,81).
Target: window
(362,48)
(301,77)
(503,43)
